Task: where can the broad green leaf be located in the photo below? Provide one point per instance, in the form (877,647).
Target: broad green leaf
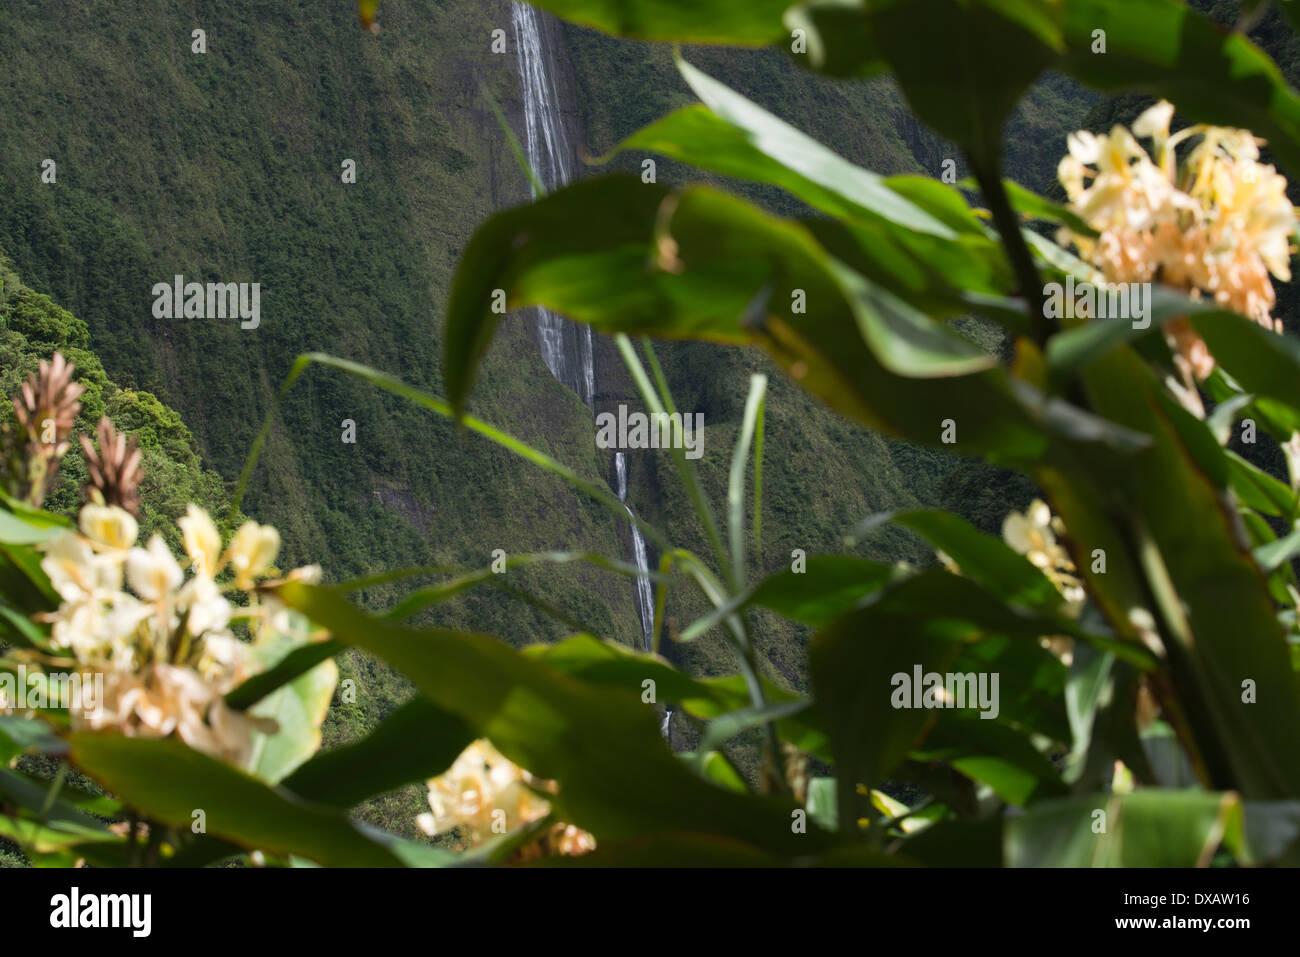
(950,77)
(921,622)
(1219,620)
(1263,362)
(1165,48)
(916,237)
(298,662)
(616,666)
(416,742)
(907,341)
(17,629)
(297,708)
(34,795)
(826,587)
(25,525)
(715,767)
(25,530)
(1275,554)
(992,753)
(51,837)
(736,137)
(821,802)
(617,779)
(25,584)
(1072,350)
(1147,828)
(31,734)
(168,781)
(980,556)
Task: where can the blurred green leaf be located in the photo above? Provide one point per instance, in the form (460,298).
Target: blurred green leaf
(1147,828)
(821,802)
(946,71)
(298,708)
(827,587)
(992,753)
(1263,362)
(296,663)
(26,529)
(1213,603)
(981,557)
(1164,48)
(617,778)
(416,742)
(168,781)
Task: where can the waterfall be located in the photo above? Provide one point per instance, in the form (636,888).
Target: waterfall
(566,346)
(645,603)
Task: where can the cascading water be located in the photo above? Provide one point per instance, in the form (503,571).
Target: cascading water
(645,602)
(566,347)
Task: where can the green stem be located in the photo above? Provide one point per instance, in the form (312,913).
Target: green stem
(1022,260)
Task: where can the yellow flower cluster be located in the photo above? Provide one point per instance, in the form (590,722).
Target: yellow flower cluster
(488,794)
(1217,225)
(161,641)
(1033,533)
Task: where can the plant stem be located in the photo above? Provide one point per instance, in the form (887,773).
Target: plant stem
(1022,260)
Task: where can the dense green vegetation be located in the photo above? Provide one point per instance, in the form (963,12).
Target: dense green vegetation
(33,327)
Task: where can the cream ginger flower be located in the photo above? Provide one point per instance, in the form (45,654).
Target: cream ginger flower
(153,572)
(164,646)
(76,572)
(108,527)
(252,552)
(1033,534)
(1217,226)
(488,794)
(201,539)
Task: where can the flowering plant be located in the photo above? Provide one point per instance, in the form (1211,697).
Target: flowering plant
(1217,224)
